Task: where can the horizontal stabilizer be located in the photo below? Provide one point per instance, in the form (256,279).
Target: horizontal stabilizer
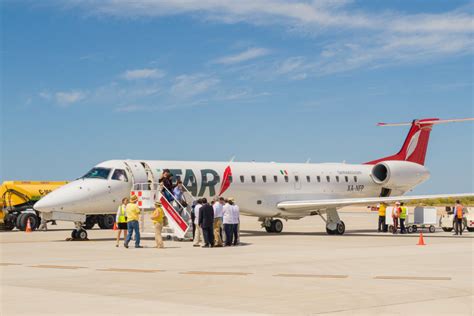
(431,122)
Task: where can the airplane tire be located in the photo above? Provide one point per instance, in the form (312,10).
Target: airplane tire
(74,234)
(447,229)
(330,231)
(81,234)
(268,229)
(277,226)
(341,228)
(470,229)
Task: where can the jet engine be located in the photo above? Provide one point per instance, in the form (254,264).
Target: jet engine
(399,174)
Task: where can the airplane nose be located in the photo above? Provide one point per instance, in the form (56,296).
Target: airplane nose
(76,196)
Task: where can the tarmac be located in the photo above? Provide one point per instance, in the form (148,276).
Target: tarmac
(301,271)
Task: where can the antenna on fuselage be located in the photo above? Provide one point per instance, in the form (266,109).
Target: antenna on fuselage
(232,159)
(308,160)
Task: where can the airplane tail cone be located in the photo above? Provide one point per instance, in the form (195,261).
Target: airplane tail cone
(115,226)
(421,241)
(28,226)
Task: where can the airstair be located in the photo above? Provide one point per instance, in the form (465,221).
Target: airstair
(177,212)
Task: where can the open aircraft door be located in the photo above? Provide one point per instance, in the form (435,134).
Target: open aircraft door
(136,169)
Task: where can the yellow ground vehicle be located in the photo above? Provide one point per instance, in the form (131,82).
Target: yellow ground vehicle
(17,199)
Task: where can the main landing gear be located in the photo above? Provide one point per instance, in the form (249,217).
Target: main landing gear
(272,225)
(334,225)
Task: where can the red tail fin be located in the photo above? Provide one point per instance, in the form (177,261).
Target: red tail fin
(415,145)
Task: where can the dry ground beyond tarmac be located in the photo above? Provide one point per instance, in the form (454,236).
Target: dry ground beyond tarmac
(299,272)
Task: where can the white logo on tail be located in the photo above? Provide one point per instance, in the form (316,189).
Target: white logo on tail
(412,145)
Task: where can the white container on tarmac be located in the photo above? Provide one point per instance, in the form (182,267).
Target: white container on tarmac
(425,215)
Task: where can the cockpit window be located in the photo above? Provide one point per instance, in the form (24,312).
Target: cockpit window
(119,174)
(98,173)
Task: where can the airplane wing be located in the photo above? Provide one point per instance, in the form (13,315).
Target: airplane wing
(312,205)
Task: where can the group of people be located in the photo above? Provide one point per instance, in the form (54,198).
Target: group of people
(209,221)
(399,213)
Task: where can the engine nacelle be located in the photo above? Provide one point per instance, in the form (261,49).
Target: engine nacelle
(399,174)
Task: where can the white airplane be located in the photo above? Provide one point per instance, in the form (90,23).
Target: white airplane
(269,191)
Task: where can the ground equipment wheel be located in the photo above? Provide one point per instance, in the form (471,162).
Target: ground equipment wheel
(106,221)
(470,229)
(34,221)
(410,229)
(390,228)
(277,226)
(432,229)
(341,228)
(19,221)
(91,220)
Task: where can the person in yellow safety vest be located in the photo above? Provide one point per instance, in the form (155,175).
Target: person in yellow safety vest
(382,212)
(133,213)
(121,220)
(395,216)
(458,217)
(403,217)
(158,218)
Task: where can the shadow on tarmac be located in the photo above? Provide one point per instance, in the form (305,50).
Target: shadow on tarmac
(353,233)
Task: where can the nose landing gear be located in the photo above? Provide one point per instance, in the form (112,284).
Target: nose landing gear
(79,233)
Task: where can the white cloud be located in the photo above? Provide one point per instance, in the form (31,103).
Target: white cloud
(186,86)
(69,97)
(380,35)
(146,73)
(248,54)
(45,95)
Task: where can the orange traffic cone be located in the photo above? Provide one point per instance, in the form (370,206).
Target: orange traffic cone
(421,241)
(115,226)
(28,226)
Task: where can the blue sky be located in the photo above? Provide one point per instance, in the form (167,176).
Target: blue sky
(86,81)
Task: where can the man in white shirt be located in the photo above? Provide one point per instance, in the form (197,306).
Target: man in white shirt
(218,213)
(235,223)
(198,231)
(227,219)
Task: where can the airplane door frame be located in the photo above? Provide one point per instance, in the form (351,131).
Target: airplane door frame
(137,171)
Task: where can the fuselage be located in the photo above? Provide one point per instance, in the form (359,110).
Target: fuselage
(257,187)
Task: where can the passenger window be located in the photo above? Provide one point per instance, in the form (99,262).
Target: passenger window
(253,179)
(242,179)
(286,178)
(120,174)
(337,178)
(328,179)
(308,178)
(355,178)
(347,178)
(264,178)
(297,178)
(275,178)
(318,178)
